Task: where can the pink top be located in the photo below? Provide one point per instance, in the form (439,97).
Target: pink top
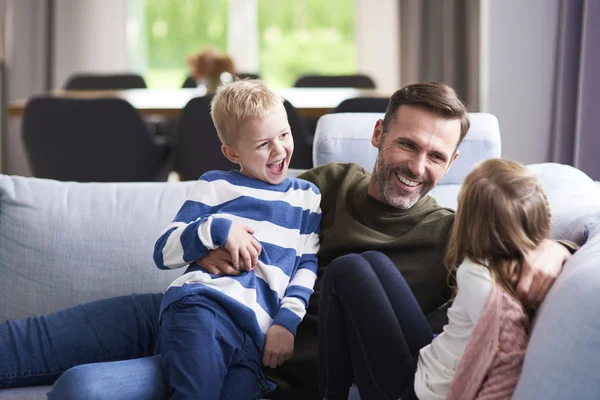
(493,359)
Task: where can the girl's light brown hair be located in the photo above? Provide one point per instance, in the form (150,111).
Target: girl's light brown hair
(502,214)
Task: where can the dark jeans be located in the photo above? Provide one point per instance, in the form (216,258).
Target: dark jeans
(371,329)
(122,330)
(36,351)
(205,354)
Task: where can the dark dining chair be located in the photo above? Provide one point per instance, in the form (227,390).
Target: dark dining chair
(358,81)
(198,148)
(197,145)
(104,82)
(362,104)
(302,158)
(90,140)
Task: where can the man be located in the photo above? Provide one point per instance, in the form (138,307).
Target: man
(388,211)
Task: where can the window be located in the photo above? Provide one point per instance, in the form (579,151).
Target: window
(294,37)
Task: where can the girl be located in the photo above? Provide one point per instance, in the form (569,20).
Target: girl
(502,214)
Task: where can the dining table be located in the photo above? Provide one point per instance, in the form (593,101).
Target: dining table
(311,103)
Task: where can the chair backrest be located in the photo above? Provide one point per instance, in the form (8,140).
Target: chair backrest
(302,158)
(189,83)
(198,148)
(358,81)
(247,75)
(362,105)
(346,137)
(90,140)
(104,82)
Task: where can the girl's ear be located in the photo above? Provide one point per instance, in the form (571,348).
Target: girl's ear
(230,153)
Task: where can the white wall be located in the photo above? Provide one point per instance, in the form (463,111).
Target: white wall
(522,43)
(378,42)
(89,37)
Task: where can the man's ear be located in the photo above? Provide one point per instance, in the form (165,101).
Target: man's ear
(454,157)
(377,133)
(231,155)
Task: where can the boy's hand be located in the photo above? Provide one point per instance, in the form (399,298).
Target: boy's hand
(279,346)
(242,246)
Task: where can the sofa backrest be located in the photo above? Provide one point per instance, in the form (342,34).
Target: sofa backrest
(63,243)
(346,137)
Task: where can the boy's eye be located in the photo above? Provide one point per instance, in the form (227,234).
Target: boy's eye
(261,145)
(284,134)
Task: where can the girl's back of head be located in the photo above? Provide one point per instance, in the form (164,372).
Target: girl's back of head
(502,214)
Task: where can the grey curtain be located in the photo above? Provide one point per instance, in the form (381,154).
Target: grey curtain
(439,40)
(576,117)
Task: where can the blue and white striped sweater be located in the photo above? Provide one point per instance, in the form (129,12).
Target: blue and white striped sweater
(285,218)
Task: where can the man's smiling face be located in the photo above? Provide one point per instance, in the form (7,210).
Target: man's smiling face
(415,152)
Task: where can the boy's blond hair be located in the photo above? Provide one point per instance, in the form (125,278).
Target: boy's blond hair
(239,102)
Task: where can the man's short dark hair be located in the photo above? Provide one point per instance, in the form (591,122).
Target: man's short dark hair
(433,96)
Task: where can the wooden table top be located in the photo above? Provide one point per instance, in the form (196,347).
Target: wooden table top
(310,102)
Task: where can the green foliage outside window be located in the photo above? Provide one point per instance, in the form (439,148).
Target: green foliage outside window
(295,37)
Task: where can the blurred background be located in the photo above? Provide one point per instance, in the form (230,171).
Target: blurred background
(523,61)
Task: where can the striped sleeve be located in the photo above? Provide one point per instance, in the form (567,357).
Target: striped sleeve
(194,231)
(295,301)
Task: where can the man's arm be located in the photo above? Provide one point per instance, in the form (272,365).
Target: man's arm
(541,268)
(218,262)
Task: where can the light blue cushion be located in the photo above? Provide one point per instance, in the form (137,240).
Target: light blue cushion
(26,393)
(346,137)
(563,353)
(574,200)
(65,243)
(564,350)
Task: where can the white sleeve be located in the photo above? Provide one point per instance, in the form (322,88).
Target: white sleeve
(474,285)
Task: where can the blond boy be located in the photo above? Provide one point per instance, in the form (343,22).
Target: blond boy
(215,330)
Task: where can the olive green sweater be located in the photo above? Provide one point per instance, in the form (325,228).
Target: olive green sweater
(354,222)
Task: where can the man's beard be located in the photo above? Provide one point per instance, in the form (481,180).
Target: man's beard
(393,195)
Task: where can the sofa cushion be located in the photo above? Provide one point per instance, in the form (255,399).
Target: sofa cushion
(574,200)
(564,349)
(64,243)
(25,393)
(346,137)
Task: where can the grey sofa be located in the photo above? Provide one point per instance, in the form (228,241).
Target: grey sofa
(64,243)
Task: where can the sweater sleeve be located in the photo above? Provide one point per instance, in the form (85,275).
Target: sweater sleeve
(293,305)
(194,232)
(474,285)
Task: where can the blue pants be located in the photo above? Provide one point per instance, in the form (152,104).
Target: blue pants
(206,355)
(38,350)
(371,329)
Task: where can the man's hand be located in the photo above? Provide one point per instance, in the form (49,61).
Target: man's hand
(279,346)
(242,246)
(218,262)
(540,269)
